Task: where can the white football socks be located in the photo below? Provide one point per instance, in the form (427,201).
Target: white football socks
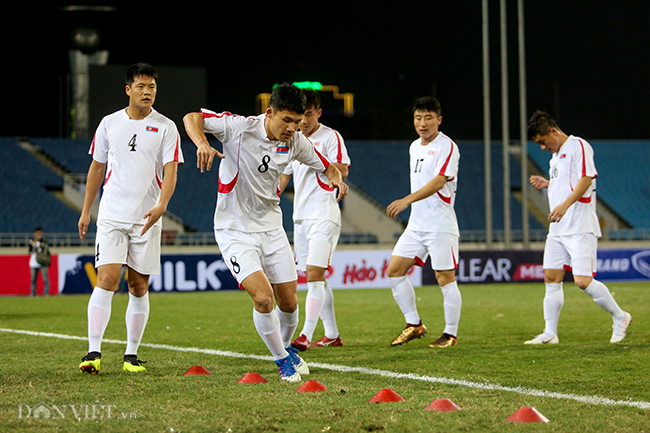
(553,302)
(313,306)
(452,303)
(405,297)
(601,296)
(327,313)
(137,315)
(99,313)
(288,324)
(268,326)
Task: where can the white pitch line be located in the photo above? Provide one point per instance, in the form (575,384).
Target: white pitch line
(595,400)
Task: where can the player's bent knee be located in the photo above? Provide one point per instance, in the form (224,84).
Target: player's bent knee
(582,282)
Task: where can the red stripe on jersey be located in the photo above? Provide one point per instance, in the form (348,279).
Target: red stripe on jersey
(218,116)
(225,188)
(453,256)
(159,181)
(418,261)
(92,146)
(584,163)
(585,200)
(178,146)
(339,155)
(322,184)
(443,198)
(444,167)
(324,160)
(108,177)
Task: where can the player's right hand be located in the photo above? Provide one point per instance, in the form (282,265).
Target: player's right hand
(84,222)
(205,156)
(538,182)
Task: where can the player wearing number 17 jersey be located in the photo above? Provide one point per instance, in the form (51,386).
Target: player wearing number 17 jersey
(574,231)
(136,152)
(248,220)
(432,229)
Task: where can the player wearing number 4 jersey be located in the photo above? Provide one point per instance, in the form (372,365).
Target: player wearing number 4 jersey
(317,225)
(432,228)
(248,220)
(136,152)
(574,231)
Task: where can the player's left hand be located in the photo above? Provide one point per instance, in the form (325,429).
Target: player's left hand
(342,187)
(152,216)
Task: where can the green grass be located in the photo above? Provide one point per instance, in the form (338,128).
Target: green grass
(495,321)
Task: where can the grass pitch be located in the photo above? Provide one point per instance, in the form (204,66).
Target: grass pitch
(583,384)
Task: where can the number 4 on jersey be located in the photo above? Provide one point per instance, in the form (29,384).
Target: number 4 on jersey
(132,142)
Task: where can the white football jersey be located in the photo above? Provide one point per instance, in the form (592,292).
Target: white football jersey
(568,165)
(313,198)
(436,212)
(135,153)
(248,198)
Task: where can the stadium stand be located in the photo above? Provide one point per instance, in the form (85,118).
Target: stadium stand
(380,168)
(71,155)
(26,198)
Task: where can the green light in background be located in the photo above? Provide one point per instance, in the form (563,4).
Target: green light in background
(314,85)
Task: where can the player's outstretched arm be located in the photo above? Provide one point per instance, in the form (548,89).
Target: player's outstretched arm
(538,182)
(432,187)
(167,190)
(93,182)
(336,181)
(204,152)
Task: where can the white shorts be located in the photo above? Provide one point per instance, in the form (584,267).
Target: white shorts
(121,243)
(314,242)
(442,247)
(246,253)
(576,253)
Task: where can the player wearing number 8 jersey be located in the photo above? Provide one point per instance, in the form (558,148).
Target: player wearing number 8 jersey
(432,229)
(248,220)
(574,230)
(136,152)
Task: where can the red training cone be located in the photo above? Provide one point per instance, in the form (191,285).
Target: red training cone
(442,405)
(527,414)
(197,370)
(250,378)
(311,386)
(386,396)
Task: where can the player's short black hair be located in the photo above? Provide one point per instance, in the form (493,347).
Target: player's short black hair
(287,97)
(38,229)
(139,69)
(313,99)
(427,103)
(540,123)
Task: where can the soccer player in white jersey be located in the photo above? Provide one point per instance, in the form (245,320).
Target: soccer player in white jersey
(573,235)
(432,228)
(317,224)
(248,219)
(136,152)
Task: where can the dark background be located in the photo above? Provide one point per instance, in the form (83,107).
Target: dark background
(588,62)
